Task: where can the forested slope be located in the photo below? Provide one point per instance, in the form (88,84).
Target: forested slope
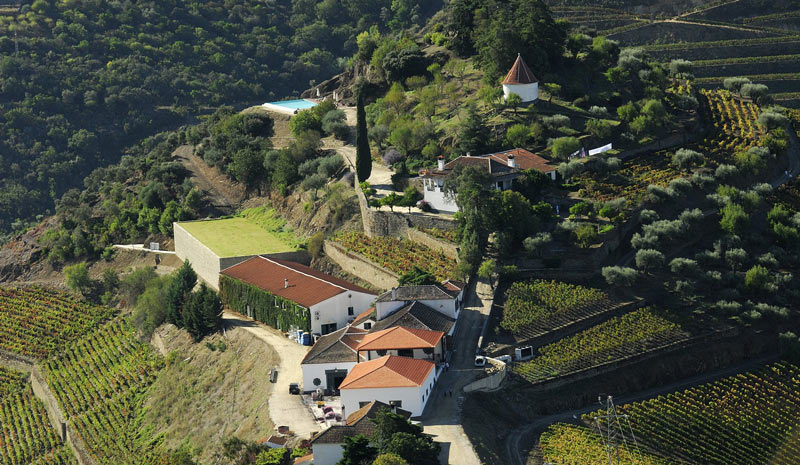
(92,77)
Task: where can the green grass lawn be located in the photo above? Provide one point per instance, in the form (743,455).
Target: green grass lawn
(236,237)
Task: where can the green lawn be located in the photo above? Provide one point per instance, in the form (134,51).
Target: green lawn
(236,237)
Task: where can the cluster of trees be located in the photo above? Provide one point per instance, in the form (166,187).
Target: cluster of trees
(91,79)
(396,441)
(484,210)
(124,203)
(171,299)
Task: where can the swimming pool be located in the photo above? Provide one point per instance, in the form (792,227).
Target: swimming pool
(290,106)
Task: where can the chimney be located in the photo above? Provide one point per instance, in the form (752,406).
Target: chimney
(286,283)
(441,163)
(469,154)
(394,293)
(512,162)
(344,417)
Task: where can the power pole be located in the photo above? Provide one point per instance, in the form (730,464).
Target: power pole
(615,436)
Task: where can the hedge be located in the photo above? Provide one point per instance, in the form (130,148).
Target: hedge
(267,308)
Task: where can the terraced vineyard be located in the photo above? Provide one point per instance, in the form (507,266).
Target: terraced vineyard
(398,255)
(734,123)
(638,173)
(749,418)
(535,307)
(99,382)
(36,321)
(10,381)
(615,339)
(26,435)
(577,445)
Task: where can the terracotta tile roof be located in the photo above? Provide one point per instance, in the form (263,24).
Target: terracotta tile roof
(356,423)
(520,73)
(454,285)
(304,459)
(307,286)
(525,160)
(338,346)
(493,167)
(416,315)
(363,316)
(400,338)
(388,372)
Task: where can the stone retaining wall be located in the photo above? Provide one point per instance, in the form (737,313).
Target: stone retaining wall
(491,382)
(448,248)
(358,265)
(383,223)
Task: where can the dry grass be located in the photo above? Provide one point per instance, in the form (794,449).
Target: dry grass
(203,397)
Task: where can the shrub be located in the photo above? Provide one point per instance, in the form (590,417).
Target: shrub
(570,169)
(757,279)
(683,266)
(620,276)
(644,241)
(734,84)
(556,121)
(734,219)
(649,259)
(392,156)
(657,194)
(725,171)
(647,216)
(77,278)
(680,66)
(518,135)
(600,129)
(772,119)
(535,245)
(756,92)
(752,161)
(586,235)
(565,146)
(686,159)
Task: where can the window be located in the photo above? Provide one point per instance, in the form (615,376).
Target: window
(329,328)
(380,353)
(350,311)
(367,325)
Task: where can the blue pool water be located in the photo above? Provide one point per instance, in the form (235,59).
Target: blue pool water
(295,104)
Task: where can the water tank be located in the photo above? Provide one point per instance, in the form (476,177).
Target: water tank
(306,339)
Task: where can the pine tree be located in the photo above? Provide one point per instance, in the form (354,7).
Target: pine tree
(179,290)
(363,157)
(202,313)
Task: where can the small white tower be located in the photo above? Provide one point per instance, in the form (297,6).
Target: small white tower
(521,81)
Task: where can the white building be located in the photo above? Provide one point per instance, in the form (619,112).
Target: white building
(327,445)
(404,342)
(521,81)
(504,167)
(327,364)
(401,382)
(446,298)
(331,302)
(415,315)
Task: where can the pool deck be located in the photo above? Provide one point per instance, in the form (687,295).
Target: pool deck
(277,107)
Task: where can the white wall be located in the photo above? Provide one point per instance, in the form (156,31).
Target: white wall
(204,261)
(334,310)
(317,370)
(446,307)
(327,454)
(413,398)
(527,92)
(433,193)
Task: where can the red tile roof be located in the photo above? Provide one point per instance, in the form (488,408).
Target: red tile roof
(525,160)
(363,316)
(520,73)
(388,372)
(304,459)
(453,285)
(307,286)
(400,337)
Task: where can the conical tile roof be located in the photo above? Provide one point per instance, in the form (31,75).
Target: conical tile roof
(520,73)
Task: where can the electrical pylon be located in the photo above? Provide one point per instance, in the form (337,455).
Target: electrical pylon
(615,435)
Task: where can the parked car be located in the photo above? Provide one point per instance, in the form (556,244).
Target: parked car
(480,361)
(294,388)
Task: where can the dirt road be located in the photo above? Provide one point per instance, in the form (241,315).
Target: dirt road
(284,408)
(224,196)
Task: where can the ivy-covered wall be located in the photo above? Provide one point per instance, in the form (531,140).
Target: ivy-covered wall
(266,307)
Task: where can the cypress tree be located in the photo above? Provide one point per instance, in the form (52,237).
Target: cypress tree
(179,289)
(363,157)
(202,313)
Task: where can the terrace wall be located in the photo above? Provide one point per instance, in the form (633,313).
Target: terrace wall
(383,223)
(358,265)
(448,248)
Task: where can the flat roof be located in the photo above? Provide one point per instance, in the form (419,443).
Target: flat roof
(235,237)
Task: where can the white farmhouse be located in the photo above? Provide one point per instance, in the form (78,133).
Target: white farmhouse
(414,315)
(401,382)
(446,298)
(327,445)
(327,364)
(521,81)
(330,302)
